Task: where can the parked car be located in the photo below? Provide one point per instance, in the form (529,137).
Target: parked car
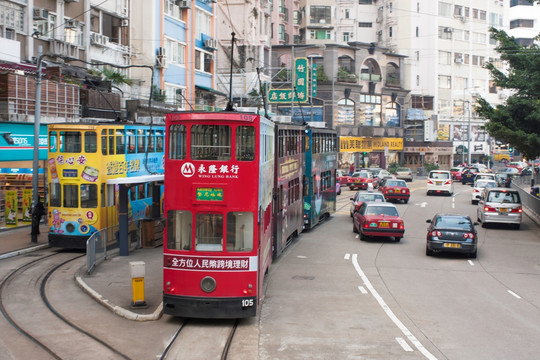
(500,205)
(404,173)
(362,179)
(456,172)
(440,181)
(363,196)
(479,186)
(395,189)
(452,233)
(378,220)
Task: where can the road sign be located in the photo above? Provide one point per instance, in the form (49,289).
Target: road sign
(299,92)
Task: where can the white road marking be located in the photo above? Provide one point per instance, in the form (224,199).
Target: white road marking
(514,294)
(471,262)
(302,257)
(404,344)
(362,290)
(453,202)
(389,312)
(347,256)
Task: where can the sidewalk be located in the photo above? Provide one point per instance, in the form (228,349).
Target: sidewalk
(16,241)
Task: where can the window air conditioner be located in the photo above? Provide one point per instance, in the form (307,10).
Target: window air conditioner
(124,23)
(210,43)
(185,4)
(71,24)
(40,14)
(448,29)
(458,60)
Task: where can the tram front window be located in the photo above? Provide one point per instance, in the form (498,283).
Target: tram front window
(209,232)
(70,141)
(239,231)
(179,225)
(89,195)
(90,142)
(71,196)
(211,142)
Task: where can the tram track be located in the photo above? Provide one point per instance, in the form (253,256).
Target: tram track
(37,320)
(221,332)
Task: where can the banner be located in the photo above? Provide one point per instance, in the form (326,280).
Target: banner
(27,206)
(361,144)
(12,207)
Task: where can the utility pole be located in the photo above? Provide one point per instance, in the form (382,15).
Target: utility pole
(35,164)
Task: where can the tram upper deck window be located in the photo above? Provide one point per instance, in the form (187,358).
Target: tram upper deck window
(55,194)
(70,141)
(245,143)
(177,142)
(141,141)
(89,195)
(240,231)
(211,142)
(151,140)
(90,142)
(104,142)
(71,196)
(53,140)
(179,225)
(159,141)
(120,141)
(209,232)
(131,143)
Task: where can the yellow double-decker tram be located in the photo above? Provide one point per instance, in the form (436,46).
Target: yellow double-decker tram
(81,158)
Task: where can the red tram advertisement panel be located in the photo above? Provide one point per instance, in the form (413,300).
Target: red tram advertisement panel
(219,178)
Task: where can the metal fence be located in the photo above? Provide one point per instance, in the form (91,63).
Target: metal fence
(523,184)
(106,242)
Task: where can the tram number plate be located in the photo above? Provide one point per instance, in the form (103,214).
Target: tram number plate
(452,245)
(384,224)
(247,303)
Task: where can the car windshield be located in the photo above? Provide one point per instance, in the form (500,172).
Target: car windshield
(362,174)
(456,169)
(453,222)
(370,197)
(396,183)
(382,210)
(503,197)
(439,175)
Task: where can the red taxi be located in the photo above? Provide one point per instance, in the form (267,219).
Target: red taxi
(342,178)
(362,179)
(456,172)
(395,189)
(378,220)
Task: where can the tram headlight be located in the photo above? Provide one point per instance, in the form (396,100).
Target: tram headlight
(208,284)
(70,228)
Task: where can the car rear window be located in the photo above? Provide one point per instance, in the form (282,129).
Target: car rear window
(439,175)
(371,197)
(382,210)
(396,183)
(503,197)
(453,223)
(403,170)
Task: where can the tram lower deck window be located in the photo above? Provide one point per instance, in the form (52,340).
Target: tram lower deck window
(89,195)
(209,232)
(179,225)
(240,231)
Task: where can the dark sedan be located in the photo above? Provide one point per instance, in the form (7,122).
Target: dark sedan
(452,233)
(468,174)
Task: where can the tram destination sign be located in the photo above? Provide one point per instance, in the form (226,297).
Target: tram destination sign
(209,194)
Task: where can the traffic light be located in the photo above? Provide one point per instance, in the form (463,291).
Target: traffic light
(510,149)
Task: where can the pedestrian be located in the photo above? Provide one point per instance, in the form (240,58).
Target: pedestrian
(351,169)
(37,212)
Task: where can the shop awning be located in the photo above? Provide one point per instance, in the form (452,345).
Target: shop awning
(210,90)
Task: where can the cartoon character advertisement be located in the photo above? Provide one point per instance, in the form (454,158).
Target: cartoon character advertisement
(27,206)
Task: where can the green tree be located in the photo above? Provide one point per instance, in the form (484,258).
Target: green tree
(516,122)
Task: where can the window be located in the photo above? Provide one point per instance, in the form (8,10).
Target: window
(120,141)
(445,82)
(175,52)
(444,57)
(159,141)
(365,2)
(210,142)
(417,32)
(151,140)
(46,27)
(177,142)
(321,34)
(392,75)
(131,143)
(55,194)
(70,141)
(239,231)
(365,24)
(245,143)
(520,2)
(53,139)
(141,141)
(209,232)
(203,23)
(111,142)
(179,225)
(71,196)
(89,196)
(521,23)
(346,36)
(445,9)
(347,13)
(445,32)
(74,32)
(390,30)
(320,15)
(90,142)
(422,102)
(458,10)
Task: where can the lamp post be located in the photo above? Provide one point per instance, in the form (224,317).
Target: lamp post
(35,164)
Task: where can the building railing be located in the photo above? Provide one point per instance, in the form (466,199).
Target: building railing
(104,242)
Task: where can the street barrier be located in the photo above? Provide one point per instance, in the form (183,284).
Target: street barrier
(105,242)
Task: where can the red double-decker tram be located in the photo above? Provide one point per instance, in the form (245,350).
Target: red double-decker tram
(219,179)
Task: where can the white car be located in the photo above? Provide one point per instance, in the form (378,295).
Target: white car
(478,187)
(484,176)
(440,181)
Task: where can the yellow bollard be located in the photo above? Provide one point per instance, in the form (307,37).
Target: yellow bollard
(137,283)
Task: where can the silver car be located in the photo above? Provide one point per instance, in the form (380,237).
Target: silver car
(404,173)
(500,205)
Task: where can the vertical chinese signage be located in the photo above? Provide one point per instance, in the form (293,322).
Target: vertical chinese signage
(314,80)
(12,208)
(299,92)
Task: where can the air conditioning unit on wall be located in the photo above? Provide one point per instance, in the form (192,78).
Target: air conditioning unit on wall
(459,60)
(40,14)
(210,43)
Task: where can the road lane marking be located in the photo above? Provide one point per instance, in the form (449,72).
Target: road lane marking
(514,294)
(347,256)
(403,344)
(389,312)
(470,262)
(362,290)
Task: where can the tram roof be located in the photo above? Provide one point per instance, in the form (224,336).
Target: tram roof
(136,179)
